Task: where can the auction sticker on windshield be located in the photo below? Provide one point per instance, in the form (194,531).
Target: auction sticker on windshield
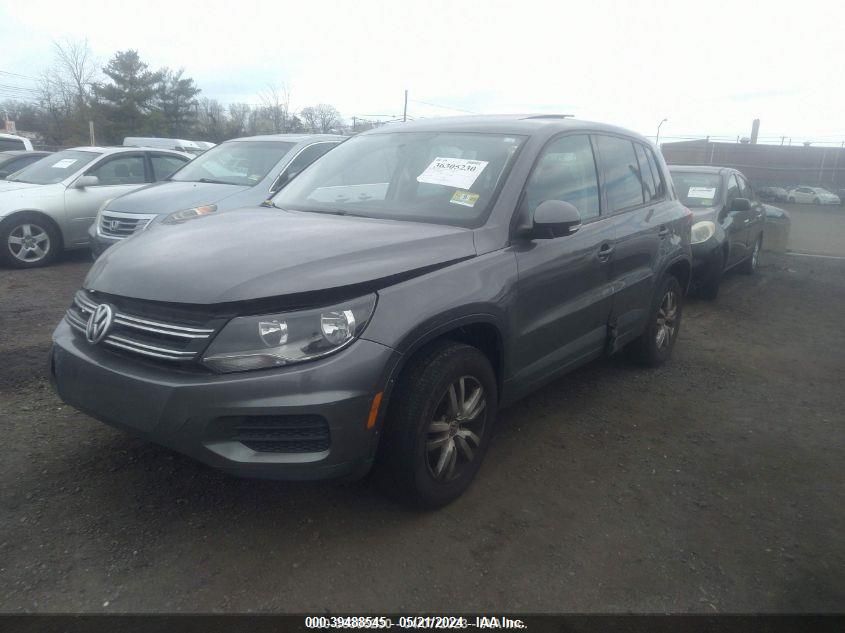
(464,198)
(702,192)
(65,162)
(452,172)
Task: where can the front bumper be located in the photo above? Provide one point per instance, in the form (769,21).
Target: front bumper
(706,260)
(99,243)
(184,410)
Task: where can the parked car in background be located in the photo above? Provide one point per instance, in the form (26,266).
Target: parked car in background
(240,172)
(773,194)
(728,224)
(391,298)
(813,195)
(11,141)
(15,160)
(178,144)
(49,205)
(841,194)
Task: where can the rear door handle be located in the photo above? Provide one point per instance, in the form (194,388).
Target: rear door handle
(663,231)
(605,252)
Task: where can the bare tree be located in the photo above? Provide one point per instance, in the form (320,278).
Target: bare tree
(327,117)
(309,115)
(275,104)
(76,65)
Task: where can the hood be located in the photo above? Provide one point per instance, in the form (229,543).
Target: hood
(257,253)
(10,185)
(171,195)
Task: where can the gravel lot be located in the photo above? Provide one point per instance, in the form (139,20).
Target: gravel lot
(714,484)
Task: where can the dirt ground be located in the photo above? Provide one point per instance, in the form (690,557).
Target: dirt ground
(714,484)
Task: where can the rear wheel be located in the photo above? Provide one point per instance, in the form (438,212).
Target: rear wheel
(791,200)
(654,346)
(27,240)
(816,201)
(439,424)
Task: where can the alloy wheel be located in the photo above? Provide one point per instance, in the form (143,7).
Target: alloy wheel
(29,243)
(455,433)
(667,316)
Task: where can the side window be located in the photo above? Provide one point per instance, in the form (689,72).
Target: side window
(744,188)
(11,143)
(300,162)
(621,173)
(659,182)
(647,178)
(165,164)
(733,189)
(123,170)
(565,171)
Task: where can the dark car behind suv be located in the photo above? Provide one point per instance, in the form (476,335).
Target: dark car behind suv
(404,287)
(728,226)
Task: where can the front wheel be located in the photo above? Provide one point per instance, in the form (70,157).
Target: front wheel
(28,241)
(439,424)
(654,346)
(749,266)
(816,201)
(791,200)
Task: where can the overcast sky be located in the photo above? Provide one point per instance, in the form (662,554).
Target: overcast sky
(709,67)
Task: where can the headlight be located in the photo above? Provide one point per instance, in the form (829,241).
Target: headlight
(273,340)
(702,231)
(178,217)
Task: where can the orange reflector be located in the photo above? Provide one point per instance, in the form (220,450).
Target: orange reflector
(371,421)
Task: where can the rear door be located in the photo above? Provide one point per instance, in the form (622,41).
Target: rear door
(642,214)
(118,174)
(564,298)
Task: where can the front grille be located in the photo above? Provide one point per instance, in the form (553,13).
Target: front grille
(121,225)
(142,336)
(282,433)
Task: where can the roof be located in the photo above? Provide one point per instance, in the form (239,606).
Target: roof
(702,169)
(290,138)
(526,124)
(24,152)
(117,149)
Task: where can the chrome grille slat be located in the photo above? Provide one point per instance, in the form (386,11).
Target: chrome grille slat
(150,344)
(121,225)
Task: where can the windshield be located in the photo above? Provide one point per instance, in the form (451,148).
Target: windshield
(55,167)
(440,177)
(697,190)
(234,163)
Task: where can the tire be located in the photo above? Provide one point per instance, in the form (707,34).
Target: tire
(750,263)
(420,467)
(651,348)
(27,240)
(791,200)
(709,288)
(816,201)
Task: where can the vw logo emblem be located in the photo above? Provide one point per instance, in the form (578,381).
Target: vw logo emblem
(99,323)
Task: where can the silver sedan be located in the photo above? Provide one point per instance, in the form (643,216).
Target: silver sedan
(48,206)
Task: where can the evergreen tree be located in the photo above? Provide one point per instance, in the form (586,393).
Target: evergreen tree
(129,98)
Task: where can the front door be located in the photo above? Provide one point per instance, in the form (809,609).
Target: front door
(117,174)
(563,294)
(734,222)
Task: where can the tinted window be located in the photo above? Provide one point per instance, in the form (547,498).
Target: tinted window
(301,161)
(565,171)
(124,170)
(11,166)
(649,188)
(11,143)
(439,177)
(744,188)
(56,167)
(733,189)
(164,165)
(621,173)
(659,182)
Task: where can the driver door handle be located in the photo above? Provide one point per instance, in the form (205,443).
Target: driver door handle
(605,252)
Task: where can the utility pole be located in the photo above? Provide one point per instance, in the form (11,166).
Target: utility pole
(353,123)
(657,138)
(91,132)
(755,131)
(405,111)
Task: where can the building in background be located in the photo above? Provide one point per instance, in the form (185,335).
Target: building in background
(765,165)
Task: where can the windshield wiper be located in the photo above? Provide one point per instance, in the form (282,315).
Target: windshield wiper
(215,182)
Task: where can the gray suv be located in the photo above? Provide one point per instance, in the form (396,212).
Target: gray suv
(386,303)
(238,173)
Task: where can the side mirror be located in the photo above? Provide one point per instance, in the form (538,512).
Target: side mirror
(741,204)
(555,218)
(86,181)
